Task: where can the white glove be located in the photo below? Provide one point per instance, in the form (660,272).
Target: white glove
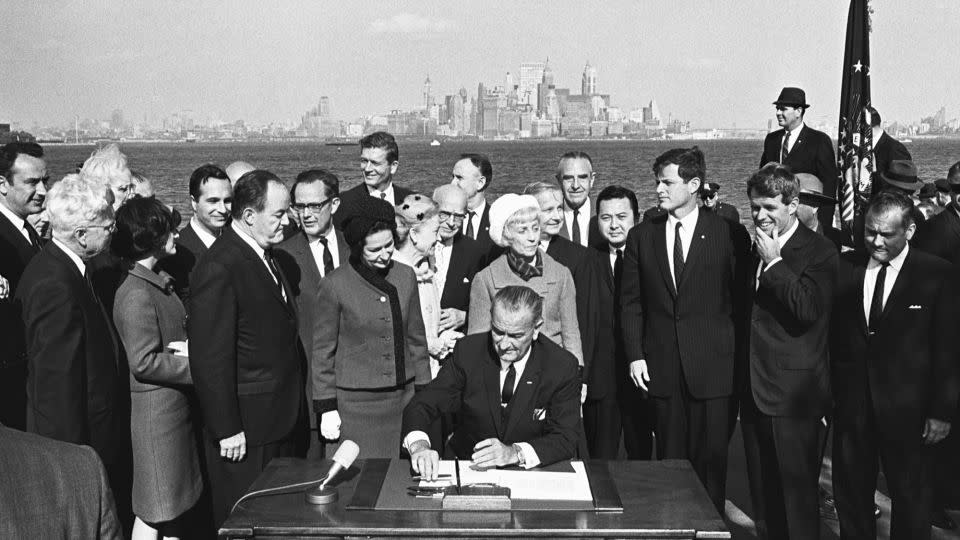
(330,425)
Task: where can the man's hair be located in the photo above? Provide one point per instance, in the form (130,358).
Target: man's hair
(107,165)
(536,188)
(9,153)
(515,298)
(331,184)
(202,174)
(143,226)
(774,180)
(445,190)
(482,162)
(887,201)
(610,193)
(953,171)
(382,139)
(874,117)
(251,191)
(576,154)
(689,161)
(76,201)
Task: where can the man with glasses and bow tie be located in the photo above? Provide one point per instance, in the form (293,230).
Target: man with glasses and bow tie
(23,177)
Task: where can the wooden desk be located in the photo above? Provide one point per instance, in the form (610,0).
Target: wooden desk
(661,499)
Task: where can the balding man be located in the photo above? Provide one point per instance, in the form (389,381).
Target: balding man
(237,169)
(534,384)
(458,258)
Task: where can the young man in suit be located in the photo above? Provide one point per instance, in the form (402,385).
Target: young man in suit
(458,258)
(684,276)
(245,357)
(787,384)
(886,149)
(516,393)
(575,176)
(315,251)
(211,197)
(379,161)
(473,173)
(75,390)
(894,374)
(23,177)
(802,148)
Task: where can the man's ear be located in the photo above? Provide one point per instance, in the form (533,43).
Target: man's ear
(394,166)
(536,328)
(334,205)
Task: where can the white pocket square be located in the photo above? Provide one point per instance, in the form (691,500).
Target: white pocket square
(916,306)
(539,414)
(465,280)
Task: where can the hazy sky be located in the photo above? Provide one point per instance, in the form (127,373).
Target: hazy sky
(715,63)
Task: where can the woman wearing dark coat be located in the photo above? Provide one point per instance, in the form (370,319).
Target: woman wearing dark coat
(150,321)
(369,345)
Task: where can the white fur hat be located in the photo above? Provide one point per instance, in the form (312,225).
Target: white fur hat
(504,207)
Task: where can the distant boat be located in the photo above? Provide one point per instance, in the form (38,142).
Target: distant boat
(342,142)
(906,140)
(434,143)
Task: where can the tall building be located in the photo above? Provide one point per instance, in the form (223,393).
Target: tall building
(323,108)
(546,83)
(427,94)
(588,84)
(508,83)
(531,74)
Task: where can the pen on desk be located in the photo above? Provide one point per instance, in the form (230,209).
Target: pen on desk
(456,463)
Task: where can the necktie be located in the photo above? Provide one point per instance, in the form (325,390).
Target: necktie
(470,225)
(618,268)
(576,228)
(383,196)
(506,394)
(677,256)
(32,233)
(272,264)
(785,149)
(327,256)
(876,305)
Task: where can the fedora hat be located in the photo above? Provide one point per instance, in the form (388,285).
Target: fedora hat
(902,173)
(942,185)
(811,191)
(794,97)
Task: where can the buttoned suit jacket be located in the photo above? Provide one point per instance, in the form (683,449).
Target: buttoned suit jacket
(909,364)
(789,328)
(544,411)
(466,259)
(812,153)
(702,322)
(189,250)
(245,358)
(940,235)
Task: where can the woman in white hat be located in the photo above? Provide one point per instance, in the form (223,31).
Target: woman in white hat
(515,225)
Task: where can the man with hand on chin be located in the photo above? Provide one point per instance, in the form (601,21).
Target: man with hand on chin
(516,394)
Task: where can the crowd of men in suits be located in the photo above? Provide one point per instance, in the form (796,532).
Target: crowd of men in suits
(687,323)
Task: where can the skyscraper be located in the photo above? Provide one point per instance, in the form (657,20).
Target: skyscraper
(324,106)
(588,84)
(427,94)
(546,83)
(531,73)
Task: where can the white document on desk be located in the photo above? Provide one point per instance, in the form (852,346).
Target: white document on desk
(530,485)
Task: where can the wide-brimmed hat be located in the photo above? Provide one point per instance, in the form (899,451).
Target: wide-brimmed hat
(943,185)
(811,191)
(928,190)
(794,97)
(902,173)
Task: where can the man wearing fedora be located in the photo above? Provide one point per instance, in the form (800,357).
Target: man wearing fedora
(901,177)
(710,195)
(800,147)
(811,200)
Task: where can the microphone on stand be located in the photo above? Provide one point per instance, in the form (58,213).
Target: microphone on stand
(342,459)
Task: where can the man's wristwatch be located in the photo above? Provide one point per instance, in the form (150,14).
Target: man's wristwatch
(522,461)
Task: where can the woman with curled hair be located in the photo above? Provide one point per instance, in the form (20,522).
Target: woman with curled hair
(151,323)
(418,223)
(515,225)
(369,347)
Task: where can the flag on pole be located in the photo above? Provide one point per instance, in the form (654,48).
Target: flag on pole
(855,138)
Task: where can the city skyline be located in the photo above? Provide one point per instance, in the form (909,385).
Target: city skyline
(716,66)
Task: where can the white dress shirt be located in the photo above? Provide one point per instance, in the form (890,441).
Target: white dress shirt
(261,253)
(870,279)
(531,459)
(583,221)
(794,133)
(386,194)
(316,248)
(477,217)
(442,255)
(18,223)
(687,225)
(204,235)
(73,256)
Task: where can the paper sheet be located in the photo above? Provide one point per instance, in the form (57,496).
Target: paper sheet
(523,484)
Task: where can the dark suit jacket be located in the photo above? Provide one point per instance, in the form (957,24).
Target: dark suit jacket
(189,250)
(789,325)
(53,489)
(584,267)
(466,259)
(609,367)
(245,357)
(940,235)
(593,231)
(653,212)
(910,363)
(886,150)
(490,250)
(469,385)
(811,153)
(74,381)
(349,197)
(724,210)
(15,253)
(697,324)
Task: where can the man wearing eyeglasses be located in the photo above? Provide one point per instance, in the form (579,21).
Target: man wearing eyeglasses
(710,195)
(457,256)
(316,250)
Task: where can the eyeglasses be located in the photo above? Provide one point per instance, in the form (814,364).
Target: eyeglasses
(111,228)
(313,208)
(445,216)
